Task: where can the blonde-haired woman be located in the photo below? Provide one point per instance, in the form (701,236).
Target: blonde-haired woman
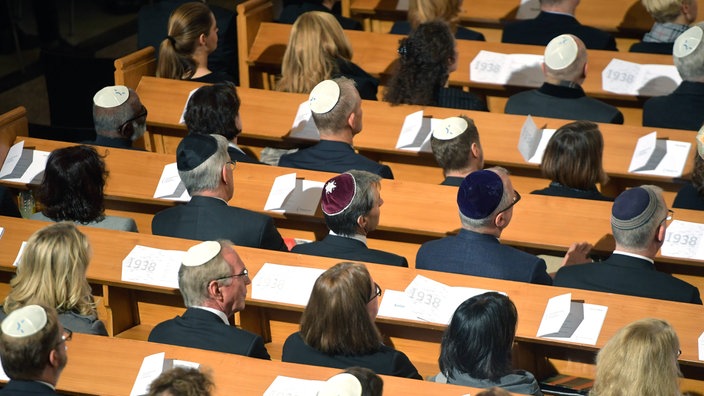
(319,50)
(639,360)
(422,11)
(192,36)
(52,271)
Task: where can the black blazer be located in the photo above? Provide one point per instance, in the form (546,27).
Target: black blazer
(623,274)
(455,98)
(454,181)
(682,109)
(8,204)
(462,33)
(330,156)
(198,328)
(558,190)
(385,361)
(209,219)
(349,249)
(689,198)
(291,12)
(547,25)
(26,388)
(652,48)
(240,156)
(367,86)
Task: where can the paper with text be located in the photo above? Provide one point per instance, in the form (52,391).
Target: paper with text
(151,266)
(289,386)
(528,9)
(19,254)
(684,239)
(292,195)
(653,156)
(284,283)
(303,124)
(630,78)
(152,366)
(170,185)
(24,165)
(572,321)
(182,120)
(523,70)
(533,141)
(415,132)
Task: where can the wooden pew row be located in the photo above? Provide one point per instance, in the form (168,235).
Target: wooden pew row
(419,340)
(499,133)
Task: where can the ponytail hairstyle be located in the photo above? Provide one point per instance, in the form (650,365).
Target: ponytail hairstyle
(186,24)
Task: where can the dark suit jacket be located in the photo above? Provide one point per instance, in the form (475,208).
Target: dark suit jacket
(652,48)
(462,33)
(689,198)
(337,157)
(623,274)
(558,190)
(454,181)
(209,219)
(239,156)
(24,388)
(105,141)
(386,361)
(454,98)
(291,12)
(476,254)
(547,25)
(558,101)
(349,249)
(198,328)
(367,86)
(682,109)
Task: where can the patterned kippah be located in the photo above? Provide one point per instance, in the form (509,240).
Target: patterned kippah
(24,322)
(338,194)
(450,128)
(193,150)
(111,96)
(480,194)
(633,208)
(324,97)
(687,42)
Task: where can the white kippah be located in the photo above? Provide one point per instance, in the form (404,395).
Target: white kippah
(111,96)
(561,52)
(450,128)
(700,142)
(24,321)
(341,385)
(324,97)
(201,253)
(687,42)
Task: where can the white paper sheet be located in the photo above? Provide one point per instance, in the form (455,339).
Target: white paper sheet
(630,78)
(700,342)
(303,125)
(415,132)
(684,239)
(182,120)
(528,9)
(533,141)
(659,157)
(284,283)
(152,266)
(3,376)
(152,366)
(288,386)
(291,195)
(19,254)
(572,321)
(170,186)
(522,70)
(24,165)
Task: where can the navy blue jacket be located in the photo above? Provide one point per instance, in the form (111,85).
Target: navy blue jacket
(349,249)
(336,157)
(547,25)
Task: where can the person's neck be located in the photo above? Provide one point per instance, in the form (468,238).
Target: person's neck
(461,172)
(220,193)
(201,59)
(648,252)
(561,8)
(345,137)
(559,82)
(493,231)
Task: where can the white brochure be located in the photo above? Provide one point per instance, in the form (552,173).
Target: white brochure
(303,125)
(152,366)
(659,157)
(533,141)
(170,185)
(289,386)
(684,239)
(528,9)
(24,165)
(182,120)
(292,195)
(700,342)
(151,266)
(19,254)
(572,321)
(284,283)
(523,70)
(415,132)
(630,78)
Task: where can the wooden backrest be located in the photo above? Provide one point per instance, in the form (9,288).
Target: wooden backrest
(130,68)
(12,124)
(250,14)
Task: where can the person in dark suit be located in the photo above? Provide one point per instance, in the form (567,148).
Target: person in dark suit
(294,9)
(337,112)
(485,201)
(456,147)
(691,196)
(556,17)
(206,170)
(351,205)
(682,108)
(337,326)
(561,95)
(216,109)
(421,11)
(33,351)
(213,282)
(639,218)
(672,18)
(119,117)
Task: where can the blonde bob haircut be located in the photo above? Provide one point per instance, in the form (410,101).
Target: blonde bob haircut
(52,272)
(422,11)
(640,359)
(316,42)
(665,10)
(186,24)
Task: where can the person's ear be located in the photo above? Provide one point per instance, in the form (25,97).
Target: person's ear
(660,235)
(362,222)
(476,150)
(202,39)
(127,130)
(501,221)
(214,290)
(351,120)
(54,358)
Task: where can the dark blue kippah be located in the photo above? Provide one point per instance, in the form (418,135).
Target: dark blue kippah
(193,150)
(633,208)
(480,194)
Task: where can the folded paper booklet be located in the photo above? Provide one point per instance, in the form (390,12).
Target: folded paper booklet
(170,185)
(151,266)
(284,283)
(522,70)
(289,386)
(303,125)
(528,9)
(659,157)
(684,239)
(572,321)
(182,120)
(415,132)
(292,195)
(700,343)
(24,165)
(19,254)
(533,141)
(152,367)
(630,78)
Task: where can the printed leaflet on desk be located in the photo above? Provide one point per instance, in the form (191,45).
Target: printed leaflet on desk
(152,367)
(415,133)
(303,125)
(522,70)
(182,120)
(170,185)
(684,239)
(292,195)
(151,266)
(289,386)
(24,165)
(572,321)
(284,283)
(630,78)
(533,141)
(659,157)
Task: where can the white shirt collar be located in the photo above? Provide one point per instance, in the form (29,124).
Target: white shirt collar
(634,255)
(47,384)
(234,146)
(216,312)
(359,237)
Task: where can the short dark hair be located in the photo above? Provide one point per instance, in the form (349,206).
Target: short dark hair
(372,384)
(212,109)
(72,188)
(345,223)
(453,154)
(479,339)
(698,175)
(182,381)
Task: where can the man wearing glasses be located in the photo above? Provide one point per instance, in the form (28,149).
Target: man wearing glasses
(213,282)
(639,217)
(33,350)
(119,117)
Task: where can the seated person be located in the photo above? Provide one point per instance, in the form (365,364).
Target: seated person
(206,170)
(561,95)
(691,196)
(337,112)
(72,190)
(456,148)
(573,162)
(337,326)
(682,108)
(182,381)
(639,218)
(421,11)
(119,117)
(294,9)
(672,18)
(351,205)
(213,282)
(216,109)
(476,347)
(52,272)
(355,381)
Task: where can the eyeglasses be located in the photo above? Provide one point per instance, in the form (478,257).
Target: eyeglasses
(244,273)
(377,292)
(65,337)
(516,198)
(142,113)
(679,352)
(232,165)
(670,213)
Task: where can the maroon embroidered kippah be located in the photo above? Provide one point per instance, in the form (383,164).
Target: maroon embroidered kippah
(338,194)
